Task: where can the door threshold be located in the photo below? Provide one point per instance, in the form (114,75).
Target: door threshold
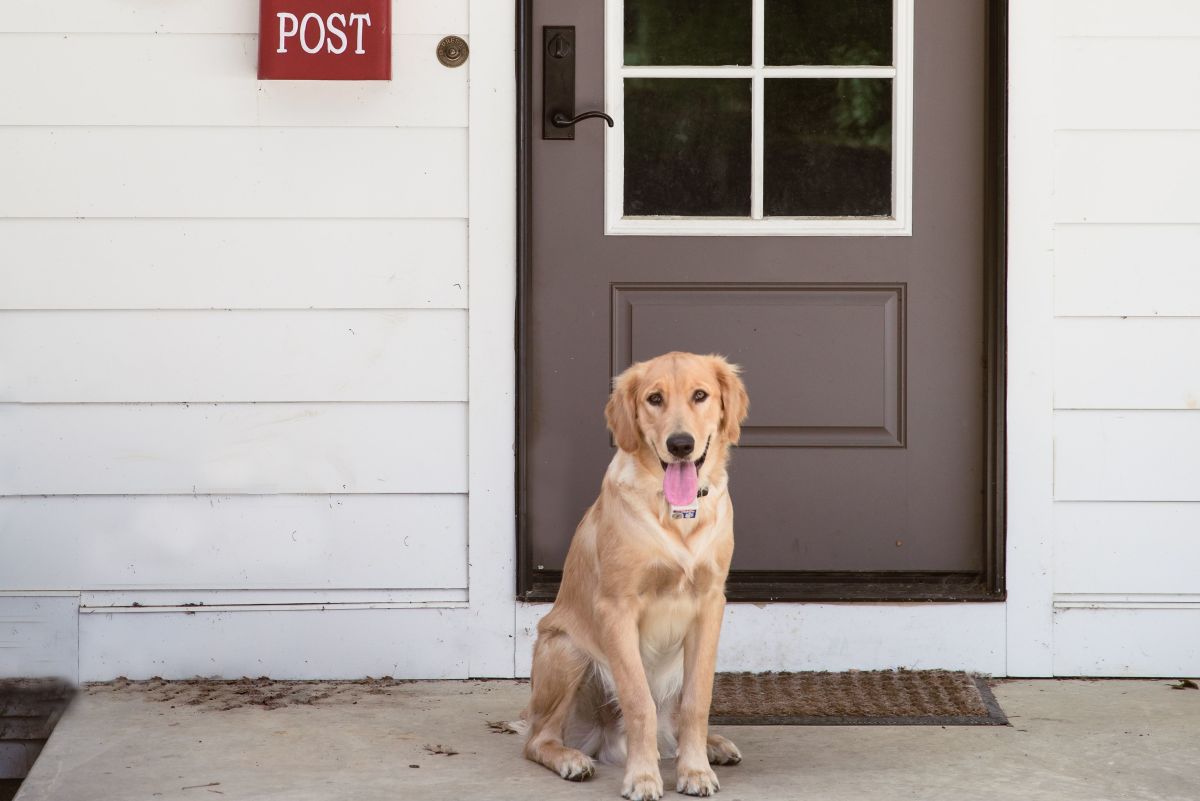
(825,587)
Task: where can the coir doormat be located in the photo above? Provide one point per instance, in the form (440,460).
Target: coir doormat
(855,698)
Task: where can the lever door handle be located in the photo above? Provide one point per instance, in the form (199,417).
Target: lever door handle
(558,85)
(561,120)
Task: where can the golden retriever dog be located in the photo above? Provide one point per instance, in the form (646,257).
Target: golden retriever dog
(625,658)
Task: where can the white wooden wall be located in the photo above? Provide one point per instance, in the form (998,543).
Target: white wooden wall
(1126,337)
(234,337)
(250,332)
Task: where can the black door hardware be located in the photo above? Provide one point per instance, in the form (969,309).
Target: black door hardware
(558,85)
(563,121)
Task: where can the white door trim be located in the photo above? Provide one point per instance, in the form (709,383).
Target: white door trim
(901,75)
(1013,638)
(491,365)
(1030,420)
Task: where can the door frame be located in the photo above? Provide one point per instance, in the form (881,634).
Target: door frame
(988,584)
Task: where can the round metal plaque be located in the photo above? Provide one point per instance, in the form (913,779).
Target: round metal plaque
(452,51)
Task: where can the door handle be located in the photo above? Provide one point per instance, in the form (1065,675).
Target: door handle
(561,120)
(558,85)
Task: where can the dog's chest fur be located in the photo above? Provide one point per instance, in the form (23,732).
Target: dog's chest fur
(671,596)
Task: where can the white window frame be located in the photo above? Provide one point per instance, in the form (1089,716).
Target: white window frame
(615,73)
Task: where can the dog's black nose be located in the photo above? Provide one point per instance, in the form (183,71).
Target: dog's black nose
(681,445)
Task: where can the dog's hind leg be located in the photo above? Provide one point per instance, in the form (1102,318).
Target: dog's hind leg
(722,751)
(558,669)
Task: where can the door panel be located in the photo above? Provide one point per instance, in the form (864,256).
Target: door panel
(864,460)
(827,359)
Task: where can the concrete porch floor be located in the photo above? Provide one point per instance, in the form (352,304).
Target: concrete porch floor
(1086,740)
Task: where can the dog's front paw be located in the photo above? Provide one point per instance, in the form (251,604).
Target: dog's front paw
(697,781)
(643,786)
(722,751)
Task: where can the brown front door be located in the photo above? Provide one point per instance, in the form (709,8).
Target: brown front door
(802,186)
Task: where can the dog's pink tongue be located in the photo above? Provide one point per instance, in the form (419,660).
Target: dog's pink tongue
(679,483)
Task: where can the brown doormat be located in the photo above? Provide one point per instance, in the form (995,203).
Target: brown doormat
(855,698)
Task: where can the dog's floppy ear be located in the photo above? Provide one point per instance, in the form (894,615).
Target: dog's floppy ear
(621,411)
(735,403)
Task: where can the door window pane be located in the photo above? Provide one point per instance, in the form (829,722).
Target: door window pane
(687,146)
(827,147)
(759,117)
(826,32)
(687,32)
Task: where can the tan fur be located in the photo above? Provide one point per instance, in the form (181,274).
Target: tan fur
(626,656)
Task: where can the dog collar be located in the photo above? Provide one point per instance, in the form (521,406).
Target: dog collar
(690,511)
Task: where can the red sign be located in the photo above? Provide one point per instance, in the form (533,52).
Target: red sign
(325,40)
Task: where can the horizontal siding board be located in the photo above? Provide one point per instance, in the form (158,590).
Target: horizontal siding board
(1109,548)
(234,542)
(1116,270)
(233,172)
(139,600)
(1135,363)
(233,264)
(232,356)
(422,92)
(1127,642)
(1126,83)
(210,16)
(1121,18)
(100,449)
(1127,455)
(131,79)
(335,644)
(39,636)
(1127,176)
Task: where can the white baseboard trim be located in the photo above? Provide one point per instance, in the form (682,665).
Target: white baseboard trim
(408,643)
(206,601)
(1127,600)
(791,636)
(39,636)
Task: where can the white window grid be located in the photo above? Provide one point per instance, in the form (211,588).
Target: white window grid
(757,224)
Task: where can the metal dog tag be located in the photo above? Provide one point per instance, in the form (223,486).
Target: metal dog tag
(685,512)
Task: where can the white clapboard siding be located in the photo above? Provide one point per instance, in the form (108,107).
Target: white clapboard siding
(39,637)
(334,644)
(232,172)
(1134,363)
(232,264)
(1126,339)
(1127,547)
(1127,642)
(233,541)
(222,356)
(1127,176)
(1126,83)
(199,79)
(1116,18)
(1127,455)
(198,16)
(1110,270)
(63,449)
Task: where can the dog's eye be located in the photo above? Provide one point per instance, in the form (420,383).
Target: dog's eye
(699,395)
(655,399)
